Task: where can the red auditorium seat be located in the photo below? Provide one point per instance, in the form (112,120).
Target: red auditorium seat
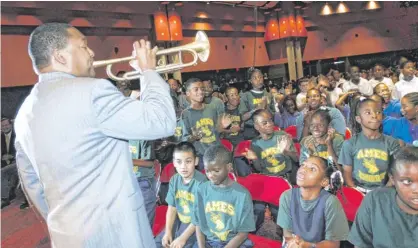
(276,128)
(297,146)
(265,188)
(159,220)
(262,242)
(347,133)
(168,171)
(228,145)
(292,131)
(241,148)
(351,203)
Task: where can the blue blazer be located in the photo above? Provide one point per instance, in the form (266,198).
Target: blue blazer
(74,162)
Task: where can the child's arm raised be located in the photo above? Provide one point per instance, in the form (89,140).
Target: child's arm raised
(237,240)
(201,240)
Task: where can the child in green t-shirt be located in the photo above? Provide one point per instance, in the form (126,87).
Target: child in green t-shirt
(323,141)
(179,232)
(272,152)
(388,217)
(200,124)
(143,156)
(309,215)
(366,156)
(223,213)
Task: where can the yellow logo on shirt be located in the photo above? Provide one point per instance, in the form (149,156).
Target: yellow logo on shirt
(183,211)
(216,211)
(206,126)
(257,101)
(178,132)
(368,158)
(269,155)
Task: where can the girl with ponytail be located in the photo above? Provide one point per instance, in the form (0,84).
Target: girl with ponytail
(310,215)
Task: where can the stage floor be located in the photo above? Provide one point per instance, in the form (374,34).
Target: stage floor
(22,228)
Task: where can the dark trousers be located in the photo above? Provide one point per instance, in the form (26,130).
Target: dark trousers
(147,186)
(219,244)
(178,229)
(241,167)
(9,180)
(259,210)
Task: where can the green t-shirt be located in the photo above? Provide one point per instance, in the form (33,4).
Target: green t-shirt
(143,149)
(336,224)
(380,223)
(250,100)
(221,213)
(272,163)
(320,150)
(182,196)
(217,104)
(235,137)
(206,119)
(370,158)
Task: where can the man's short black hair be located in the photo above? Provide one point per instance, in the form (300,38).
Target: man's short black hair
(44,40)
(217,154)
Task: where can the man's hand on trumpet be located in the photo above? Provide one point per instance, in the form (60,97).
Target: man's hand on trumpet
(146,58)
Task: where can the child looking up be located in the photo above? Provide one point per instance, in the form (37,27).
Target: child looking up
(309,215)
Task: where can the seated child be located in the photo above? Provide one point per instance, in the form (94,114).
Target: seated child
(143,156)
(272,152)
(366,156)
(309,215)
(179,232)
(323,141)
(388,217)
(234,133)
(223,213)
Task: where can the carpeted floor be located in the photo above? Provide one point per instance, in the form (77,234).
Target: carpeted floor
(22,228)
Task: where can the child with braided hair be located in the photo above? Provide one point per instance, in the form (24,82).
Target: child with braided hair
(309,215)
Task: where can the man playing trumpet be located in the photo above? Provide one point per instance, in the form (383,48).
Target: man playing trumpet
(71,131)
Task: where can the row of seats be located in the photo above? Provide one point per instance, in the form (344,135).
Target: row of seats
(262,188)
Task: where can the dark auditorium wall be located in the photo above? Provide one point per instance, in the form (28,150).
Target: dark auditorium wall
(231,31)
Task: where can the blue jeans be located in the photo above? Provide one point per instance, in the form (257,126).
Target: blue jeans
(147,186)
(178,229)
(220,244)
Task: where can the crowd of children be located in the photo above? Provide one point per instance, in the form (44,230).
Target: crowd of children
(206,208)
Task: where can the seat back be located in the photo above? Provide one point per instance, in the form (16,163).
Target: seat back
(297,146)
(351,203)
(228,145)
(241,148)
(168,171)
(265,188)
(292,131)
(276,128)
(347,133)
(159,220)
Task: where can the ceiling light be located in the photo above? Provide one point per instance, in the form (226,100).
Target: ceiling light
(342,8)
(326,10)
(372,5)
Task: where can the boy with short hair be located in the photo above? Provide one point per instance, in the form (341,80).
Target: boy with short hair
(223,213)
(388,216)
(143,156)
(200,124)
(179,232)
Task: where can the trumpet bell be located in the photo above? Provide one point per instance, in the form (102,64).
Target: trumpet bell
(203,39)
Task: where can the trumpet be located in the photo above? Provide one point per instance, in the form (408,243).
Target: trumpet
(200,49)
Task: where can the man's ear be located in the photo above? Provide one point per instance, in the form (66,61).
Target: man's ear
(196,161)
(59,57)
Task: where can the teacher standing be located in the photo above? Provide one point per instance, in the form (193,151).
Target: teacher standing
(72,155)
